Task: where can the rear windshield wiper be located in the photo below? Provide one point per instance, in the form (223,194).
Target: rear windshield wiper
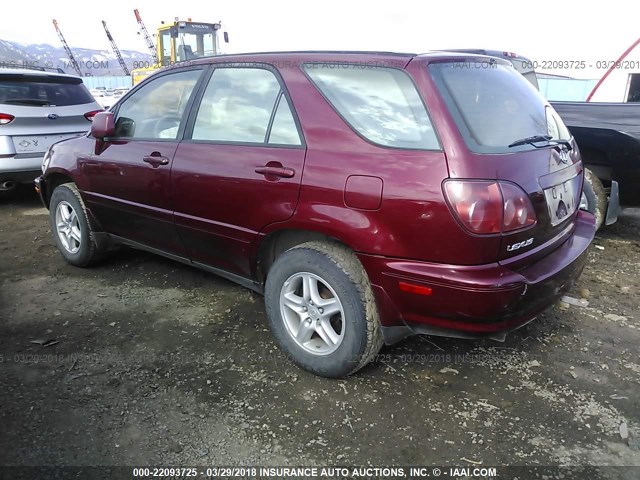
(531,140)
(566,143)
(542,138)
(27,101)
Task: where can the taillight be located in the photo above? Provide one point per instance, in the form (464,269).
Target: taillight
(489,207)
(89,115)
(518,211)
(5,118)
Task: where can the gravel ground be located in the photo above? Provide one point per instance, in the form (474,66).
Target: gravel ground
(141,360)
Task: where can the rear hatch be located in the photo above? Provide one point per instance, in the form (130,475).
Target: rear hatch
(43,109)
(516,142)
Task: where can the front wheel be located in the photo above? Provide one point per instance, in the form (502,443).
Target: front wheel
(70,226)
(321,309)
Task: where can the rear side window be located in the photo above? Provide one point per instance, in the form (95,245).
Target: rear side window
(245,105)
(38,90)
(283,128)
(381,104)
(555,126)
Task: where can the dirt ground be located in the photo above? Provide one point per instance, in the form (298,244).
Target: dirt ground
(141,360)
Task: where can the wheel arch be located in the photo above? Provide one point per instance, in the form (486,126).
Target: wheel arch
(598,162)
(56,178)
(276,242)
(53,181)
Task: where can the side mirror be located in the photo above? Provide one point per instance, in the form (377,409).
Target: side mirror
(103,125)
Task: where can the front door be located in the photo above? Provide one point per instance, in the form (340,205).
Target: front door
(130,174)
(239,167)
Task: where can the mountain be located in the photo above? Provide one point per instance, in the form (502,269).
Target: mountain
(92,62)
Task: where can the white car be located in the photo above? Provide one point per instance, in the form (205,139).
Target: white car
(38,109)
(104,98)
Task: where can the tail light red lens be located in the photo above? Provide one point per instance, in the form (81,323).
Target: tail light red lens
(6,119)
(89,115)
(518,211)
(489,207)
(477,204)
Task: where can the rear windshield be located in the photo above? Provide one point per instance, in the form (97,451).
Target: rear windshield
(38,90)
(494,106)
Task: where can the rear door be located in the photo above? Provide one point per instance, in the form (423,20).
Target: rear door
(496,110)
(129,175)
(239,167)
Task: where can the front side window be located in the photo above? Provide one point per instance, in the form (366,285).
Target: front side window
(155,111)
(494,106)
(245,105)
(191,45)
(381,104)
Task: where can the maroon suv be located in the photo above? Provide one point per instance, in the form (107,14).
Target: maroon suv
(369,196)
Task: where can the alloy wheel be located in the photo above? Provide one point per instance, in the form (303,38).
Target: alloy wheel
(312,313)
(68,227)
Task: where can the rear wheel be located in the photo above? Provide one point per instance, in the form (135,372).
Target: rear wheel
(70,226)
(321,309)
(594,197)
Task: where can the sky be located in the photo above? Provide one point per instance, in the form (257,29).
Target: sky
(543,30)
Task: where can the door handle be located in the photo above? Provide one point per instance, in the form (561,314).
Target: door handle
(276,171)
(155,160)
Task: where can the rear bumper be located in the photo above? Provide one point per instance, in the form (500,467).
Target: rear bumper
(20,168)
(471,301)
(13,163)
(22,176)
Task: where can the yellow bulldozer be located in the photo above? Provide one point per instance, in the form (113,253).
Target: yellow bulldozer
(178,42)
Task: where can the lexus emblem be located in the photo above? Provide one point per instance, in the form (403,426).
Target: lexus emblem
(52,116)
(564,157)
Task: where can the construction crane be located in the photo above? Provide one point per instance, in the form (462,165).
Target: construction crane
(114,47)
(68,51)
(147,38)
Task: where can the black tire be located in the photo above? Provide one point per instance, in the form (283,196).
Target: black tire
(87,251)
(340,269)
(596,197)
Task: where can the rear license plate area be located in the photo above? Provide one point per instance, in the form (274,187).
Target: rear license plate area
(39,143)
(562,200)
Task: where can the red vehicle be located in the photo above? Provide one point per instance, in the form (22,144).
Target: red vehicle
(369,196)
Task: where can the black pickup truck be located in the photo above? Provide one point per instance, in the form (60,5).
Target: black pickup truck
(608,136)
